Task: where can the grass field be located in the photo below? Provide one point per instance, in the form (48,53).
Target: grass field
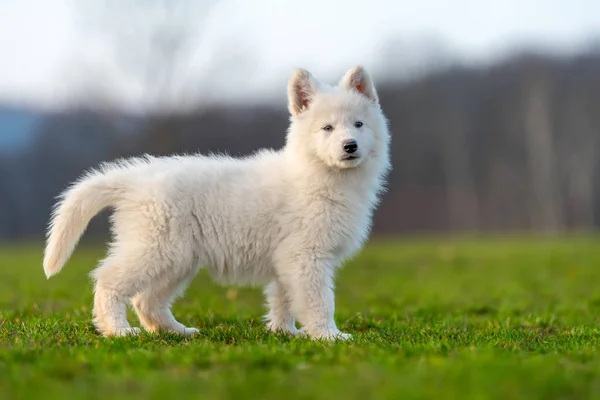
(498,318)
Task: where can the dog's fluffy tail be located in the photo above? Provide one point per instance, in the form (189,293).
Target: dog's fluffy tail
(76,207)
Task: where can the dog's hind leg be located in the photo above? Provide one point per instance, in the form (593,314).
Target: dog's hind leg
(279,317)
(110,301)
(153,305)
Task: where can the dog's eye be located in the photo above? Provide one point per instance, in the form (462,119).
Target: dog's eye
(358,124)
(327,128)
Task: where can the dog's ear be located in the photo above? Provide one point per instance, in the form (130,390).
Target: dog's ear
(301,90)
(359,80)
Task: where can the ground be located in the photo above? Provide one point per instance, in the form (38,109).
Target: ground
(498,318)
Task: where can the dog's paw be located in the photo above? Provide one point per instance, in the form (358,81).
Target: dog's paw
(184,331)
(288,330)
(123,332)
(331,335)
(190,331)
(297,332)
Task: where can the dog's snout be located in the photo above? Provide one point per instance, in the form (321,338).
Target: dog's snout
(350,146)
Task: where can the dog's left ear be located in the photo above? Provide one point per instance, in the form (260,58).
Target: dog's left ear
(358,79)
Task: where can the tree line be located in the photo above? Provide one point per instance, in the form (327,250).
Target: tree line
(507,147)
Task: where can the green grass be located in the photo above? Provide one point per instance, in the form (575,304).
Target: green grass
(498,318)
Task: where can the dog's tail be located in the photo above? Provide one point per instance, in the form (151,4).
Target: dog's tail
(76,207)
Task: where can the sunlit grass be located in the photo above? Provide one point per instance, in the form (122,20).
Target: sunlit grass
(499,318)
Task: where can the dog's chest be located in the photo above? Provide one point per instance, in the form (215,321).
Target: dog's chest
(340,227)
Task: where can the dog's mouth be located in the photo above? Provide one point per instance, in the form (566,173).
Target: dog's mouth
(351,157)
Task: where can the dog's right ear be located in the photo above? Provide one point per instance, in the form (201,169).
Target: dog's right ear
(301,90)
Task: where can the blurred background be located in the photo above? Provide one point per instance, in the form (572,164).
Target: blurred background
(494,106)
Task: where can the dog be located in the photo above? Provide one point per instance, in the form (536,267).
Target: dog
(285,219)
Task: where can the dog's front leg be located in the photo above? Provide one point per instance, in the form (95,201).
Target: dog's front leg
(279,318)
(310,286)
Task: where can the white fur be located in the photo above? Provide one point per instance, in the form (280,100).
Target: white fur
(285,219)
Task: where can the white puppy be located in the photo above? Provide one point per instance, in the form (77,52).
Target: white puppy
(285,219)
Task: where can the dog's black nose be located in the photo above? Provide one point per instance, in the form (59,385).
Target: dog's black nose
(350,146)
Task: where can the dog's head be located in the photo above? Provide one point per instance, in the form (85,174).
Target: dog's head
(341,126)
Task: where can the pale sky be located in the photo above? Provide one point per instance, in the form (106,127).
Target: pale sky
(46,49)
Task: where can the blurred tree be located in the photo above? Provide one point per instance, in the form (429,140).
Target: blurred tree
(546,207)
(150,45)
(463,201)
